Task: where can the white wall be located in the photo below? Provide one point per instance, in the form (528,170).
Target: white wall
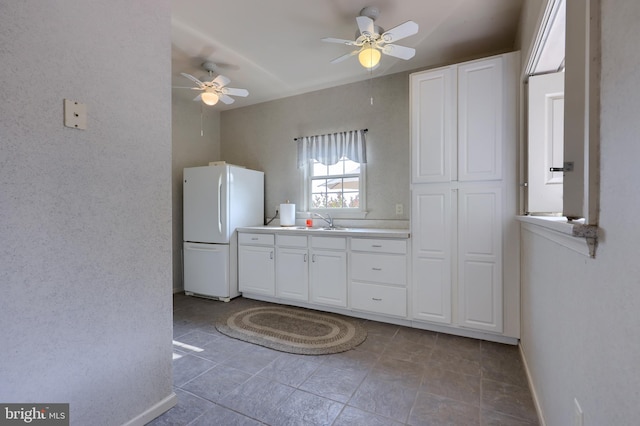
(195,139)
(261,137)
(580,316)
(85,215)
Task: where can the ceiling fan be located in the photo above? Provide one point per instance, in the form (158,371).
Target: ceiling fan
(216,89)
(371,40)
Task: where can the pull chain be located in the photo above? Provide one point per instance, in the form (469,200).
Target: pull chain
(201,114)
(371,86)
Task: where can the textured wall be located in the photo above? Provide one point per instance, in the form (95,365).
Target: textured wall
(261,137)
(85,215)
(195,132)
(580,316)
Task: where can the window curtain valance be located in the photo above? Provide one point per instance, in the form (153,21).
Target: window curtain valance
(329,149)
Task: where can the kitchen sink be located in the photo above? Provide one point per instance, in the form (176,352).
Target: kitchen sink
(322,228)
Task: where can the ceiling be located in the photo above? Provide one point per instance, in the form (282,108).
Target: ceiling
(274,49)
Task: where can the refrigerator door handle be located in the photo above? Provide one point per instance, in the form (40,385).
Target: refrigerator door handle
(219,207)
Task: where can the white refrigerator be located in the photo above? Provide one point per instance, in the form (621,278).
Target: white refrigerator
(217,199)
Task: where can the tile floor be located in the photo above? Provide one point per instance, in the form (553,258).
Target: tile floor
(398,376)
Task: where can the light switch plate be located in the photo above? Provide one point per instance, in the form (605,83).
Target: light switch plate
(75,114)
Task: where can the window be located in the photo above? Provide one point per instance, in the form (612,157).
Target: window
(577,23)
(337,187)
(334,173)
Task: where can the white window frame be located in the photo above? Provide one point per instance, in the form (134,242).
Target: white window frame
(582,121)
(359,212)
(581,118)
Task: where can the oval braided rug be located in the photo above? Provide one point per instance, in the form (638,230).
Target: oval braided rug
(294,330)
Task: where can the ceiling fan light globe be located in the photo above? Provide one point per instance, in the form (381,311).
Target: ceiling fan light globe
(369,57)
(209,98)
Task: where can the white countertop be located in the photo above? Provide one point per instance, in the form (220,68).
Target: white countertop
(352,232)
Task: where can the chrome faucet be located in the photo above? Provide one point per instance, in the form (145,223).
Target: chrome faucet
(327,219)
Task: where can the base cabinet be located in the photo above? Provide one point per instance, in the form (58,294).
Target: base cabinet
(328,284)
(256,269)
(379,276)
(292,273)
(292,267)
(382,299)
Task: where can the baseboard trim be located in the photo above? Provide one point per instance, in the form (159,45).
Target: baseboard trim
(532,389)
(154,411)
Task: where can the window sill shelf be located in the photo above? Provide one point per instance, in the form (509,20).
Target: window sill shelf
(574,235)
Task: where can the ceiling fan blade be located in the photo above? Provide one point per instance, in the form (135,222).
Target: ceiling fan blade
(197,98)
(192,78)
(221,81)
(401,52)
(235,92)
(345,56)
(339,40)
(365,25)
(184,87)
(403,30)
(225,99)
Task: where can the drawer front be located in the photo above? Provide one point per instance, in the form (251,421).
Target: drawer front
(292,240)
(379,268)
(380,299)
(379,245)
(255,239)
(332,243)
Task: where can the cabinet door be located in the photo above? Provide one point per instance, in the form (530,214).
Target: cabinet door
(328,282)
(480,120)
(480,258)
(256,270)
(431,231)
(433,130)
(292,274)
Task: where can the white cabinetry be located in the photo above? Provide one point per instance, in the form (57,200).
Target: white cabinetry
(432,218)
(292,267)
(256,258)
(379,276)
(328,284)
(464,194)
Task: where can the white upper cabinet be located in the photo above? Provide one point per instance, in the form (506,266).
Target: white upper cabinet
(456,120)
(480,115)
(433,134)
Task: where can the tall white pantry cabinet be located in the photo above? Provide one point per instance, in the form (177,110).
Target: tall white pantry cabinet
(464,196)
